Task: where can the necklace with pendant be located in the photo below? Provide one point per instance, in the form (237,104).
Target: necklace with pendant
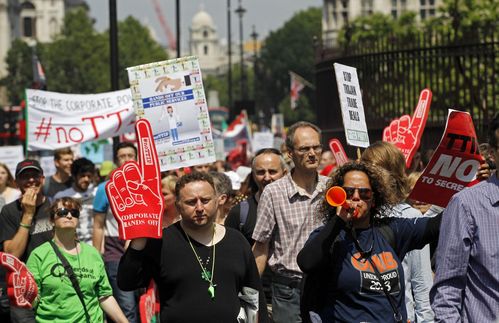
(206,275)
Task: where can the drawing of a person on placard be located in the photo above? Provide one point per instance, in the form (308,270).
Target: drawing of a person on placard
(173,121)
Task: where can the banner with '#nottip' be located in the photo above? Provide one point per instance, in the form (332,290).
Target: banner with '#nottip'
(58,120)
(454,164)
(171,96)
(352,108)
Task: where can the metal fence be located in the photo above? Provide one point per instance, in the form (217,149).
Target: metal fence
(461,74)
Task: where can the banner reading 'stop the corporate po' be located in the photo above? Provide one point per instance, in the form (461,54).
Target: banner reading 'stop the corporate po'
(352,108)
(170,95)
(454,164)
(58,120)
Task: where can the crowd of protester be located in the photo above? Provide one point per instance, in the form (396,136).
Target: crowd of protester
(263,221)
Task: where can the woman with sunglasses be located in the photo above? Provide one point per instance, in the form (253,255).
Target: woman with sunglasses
(353,263)
(58,300)
(417,263)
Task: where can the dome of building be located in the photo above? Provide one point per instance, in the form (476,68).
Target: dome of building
(202,19)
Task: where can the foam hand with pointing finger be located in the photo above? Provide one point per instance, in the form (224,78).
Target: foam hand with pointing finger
(134,190)
(21,285)
(405,132)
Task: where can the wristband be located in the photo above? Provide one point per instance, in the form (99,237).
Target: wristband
(26,226)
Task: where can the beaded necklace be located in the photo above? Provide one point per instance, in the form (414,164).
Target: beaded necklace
(206,275)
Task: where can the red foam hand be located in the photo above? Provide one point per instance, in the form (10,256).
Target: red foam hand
(338,151)
(21,285)
(134,190)
(405,132)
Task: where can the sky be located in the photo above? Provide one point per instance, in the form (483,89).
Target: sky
(266,15)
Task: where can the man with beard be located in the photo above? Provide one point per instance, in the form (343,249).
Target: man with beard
(286,217)
(83,172)
(25,223)
(199,266)
(267,166)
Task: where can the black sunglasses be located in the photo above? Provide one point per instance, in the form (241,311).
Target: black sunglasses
(364,193)
(63,212)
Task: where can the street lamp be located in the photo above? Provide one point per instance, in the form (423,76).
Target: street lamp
(240,12)
(229,53)
(254,36)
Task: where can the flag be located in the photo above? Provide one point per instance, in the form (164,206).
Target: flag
(296,87)
(298,83)
(39,80)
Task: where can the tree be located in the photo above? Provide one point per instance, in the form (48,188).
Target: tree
(77,60)
(19,69)
(291,47)
(136,47)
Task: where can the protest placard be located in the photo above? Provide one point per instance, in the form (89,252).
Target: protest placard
(454,164)
(11,155)
(262,140)
(352,109)
(58,120)
(170,95)
(405,132)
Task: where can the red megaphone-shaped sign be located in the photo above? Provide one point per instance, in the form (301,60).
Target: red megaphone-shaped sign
(336,196)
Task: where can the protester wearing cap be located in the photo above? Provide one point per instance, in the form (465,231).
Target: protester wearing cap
(25,223)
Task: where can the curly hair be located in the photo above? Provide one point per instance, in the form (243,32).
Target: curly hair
(383,195)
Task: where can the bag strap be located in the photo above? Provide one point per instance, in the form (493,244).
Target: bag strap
(243,213)
(387,233)
(72,277)
(396,313)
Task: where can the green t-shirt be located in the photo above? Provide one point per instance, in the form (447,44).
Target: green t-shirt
(58,299)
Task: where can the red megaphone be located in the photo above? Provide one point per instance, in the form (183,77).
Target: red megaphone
(336,196)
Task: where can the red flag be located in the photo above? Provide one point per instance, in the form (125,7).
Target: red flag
(39,79)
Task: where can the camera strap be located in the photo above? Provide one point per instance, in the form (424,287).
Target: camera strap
(72,277)
(396,313)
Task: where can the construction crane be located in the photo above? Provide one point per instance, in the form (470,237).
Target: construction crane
(172,42)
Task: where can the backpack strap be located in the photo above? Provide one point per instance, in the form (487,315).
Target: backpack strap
(243,213)
(388,234)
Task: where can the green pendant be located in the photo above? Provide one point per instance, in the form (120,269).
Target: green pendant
(211,290)
(206,275)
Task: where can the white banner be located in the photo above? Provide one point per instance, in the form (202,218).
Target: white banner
(352,109)
(57,120)
(170,95)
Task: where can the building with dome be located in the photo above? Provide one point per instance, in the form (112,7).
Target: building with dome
(205,44)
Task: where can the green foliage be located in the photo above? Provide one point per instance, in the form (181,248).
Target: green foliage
(290,48)
(77,61)
(136,47)
(20,72)
(303,111)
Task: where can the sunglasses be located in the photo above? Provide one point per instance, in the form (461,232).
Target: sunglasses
(364,193)
(63,212)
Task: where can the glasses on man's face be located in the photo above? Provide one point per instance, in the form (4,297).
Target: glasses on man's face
(305,149)
(364,193)
(63,212)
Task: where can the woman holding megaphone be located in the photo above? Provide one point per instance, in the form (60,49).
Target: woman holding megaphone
(352,264)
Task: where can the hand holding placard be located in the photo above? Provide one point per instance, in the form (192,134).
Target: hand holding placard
(21,285)
(134,190)
(406,132)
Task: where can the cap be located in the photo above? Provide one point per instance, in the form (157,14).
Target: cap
(243,172)
(28,164)
(106,168)
(235,179)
